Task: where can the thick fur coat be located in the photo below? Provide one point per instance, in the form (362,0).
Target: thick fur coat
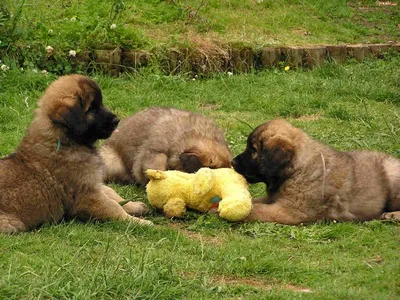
(56,172)
(163,139)
(309,181)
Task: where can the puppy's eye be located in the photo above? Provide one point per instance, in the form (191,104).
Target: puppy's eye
(92,109)
(253,152)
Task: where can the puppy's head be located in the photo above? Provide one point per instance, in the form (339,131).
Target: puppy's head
(269,153)
(74,104)
(205,153)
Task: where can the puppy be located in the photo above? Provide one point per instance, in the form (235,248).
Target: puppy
(163,139)
(308,181)
(56,172)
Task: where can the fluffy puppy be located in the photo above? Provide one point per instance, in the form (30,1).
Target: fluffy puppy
(163,139)
(308,181)
(56,171)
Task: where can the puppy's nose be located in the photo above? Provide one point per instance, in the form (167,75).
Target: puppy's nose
(115,121)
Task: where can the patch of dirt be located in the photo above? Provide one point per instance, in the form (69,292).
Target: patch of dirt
(210,55)
(253,282)
(366,8)
(257,283)
(205,44)
(214,240)
(386,3)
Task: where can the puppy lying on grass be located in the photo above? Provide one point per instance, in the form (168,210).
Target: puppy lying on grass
(55,172)
(309,181)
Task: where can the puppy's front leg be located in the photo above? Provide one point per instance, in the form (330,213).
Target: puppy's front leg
(276,213)
(98,206)
(136,208)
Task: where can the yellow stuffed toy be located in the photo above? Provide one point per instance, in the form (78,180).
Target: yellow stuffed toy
(173,191)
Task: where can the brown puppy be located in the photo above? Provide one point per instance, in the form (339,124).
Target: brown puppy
(163,139)
(56,171)
(308,181)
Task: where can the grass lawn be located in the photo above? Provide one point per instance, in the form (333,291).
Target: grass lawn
(352,106)
(150,23)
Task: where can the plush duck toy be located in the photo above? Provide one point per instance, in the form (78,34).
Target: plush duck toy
(224,188)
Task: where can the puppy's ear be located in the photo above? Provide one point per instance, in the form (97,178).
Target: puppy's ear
(73,118)
(276,155)
(90,92)
(191,160)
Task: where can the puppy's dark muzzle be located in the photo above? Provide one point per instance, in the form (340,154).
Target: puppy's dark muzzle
(110,119)
(246,167)
(237,164)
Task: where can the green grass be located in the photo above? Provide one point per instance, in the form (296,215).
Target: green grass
(146,23)
(353,106)
(27,27)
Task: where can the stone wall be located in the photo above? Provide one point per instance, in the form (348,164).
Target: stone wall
(237,60)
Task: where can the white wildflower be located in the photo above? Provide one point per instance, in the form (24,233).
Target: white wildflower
(229,73)
(72,53)
(49,49)
(4,67)
(44,72)
(113,26)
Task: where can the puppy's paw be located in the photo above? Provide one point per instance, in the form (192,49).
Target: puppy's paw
(142,221)
(9,224)
(394,216)
(136,208)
